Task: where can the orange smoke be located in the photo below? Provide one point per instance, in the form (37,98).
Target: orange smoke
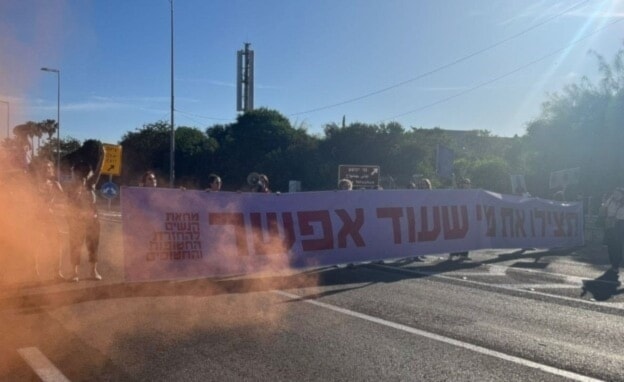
(29,235)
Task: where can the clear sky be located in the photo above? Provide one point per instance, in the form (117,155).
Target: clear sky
(453,64)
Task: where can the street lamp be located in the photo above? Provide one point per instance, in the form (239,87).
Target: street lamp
(8,116)
(172,147)
(58,119)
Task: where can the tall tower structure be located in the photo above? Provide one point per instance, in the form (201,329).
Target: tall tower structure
(245,79)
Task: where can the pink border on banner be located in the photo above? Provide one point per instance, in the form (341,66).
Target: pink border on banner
(173,234)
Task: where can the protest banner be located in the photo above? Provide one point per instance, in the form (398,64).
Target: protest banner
(170,233)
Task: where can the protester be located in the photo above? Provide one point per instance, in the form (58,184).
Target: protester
(345,184)
(262,184)
(613,208)
(149,179)
(256,182)
(51,193)
(49,187)
(23,150)
(214,183)
(424,184)
(464,183)
(82,219)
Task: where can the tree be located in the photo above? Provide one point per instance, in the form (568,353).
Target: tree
(146,148)
(261,140)
(582,127)
(194,157)
(491,174)
(48,127)
(383,145)
(25,133)
(48,149)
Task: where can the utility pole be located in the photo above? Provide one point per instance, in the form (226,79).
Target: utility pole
(172,147)
(8,119)
(58,119)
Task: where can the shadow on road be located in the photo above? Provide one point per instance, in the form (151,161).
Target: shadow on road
(35,297)
(38,296)
(604,287)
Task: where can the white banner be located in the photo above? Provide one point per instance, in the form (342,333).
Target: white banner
(171,233)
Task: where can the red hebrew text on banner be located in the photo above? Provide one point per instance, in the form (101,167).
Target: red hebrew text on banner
(172,233)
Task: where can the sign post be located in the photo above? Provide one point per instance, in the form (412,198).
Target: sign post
(109,190)
(362,176)
(111,165)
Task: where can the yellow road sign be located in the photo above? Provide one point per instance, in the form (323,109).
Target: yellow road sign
(111,165)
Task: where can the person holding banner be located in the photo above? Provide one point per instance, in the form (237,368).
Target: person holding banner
(149,179)
(613,208)
(464,183)
(262,185)
(345,184)
(257,182)
(214,183)
(424,184)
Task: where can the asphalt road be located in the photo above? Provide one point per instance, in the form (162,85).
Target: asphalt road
(531,315)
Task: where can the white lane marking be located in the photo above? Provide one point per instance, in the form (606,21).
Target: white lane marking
(611,305)
(447,340)
(480,274)
(539,286)
(567,278)
(497,271)
(490,271)
(42,366)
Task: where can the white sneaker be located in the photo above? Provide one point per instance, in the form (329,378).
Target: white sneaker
(96,275)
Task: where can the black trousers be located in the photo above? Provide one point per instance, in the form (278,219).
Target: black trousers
(614,237)
(84,231)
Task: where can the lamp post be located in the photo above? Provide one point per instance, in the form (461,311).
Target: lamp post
(8,116)
(172,147)
(58,119)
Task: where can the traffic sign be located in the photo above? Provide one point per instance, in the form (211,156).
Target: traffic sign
(111,165)
(362,176)
(109,190)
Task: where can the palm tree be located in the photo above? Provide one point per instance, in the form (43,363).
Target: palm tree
(25,133)
(49,127)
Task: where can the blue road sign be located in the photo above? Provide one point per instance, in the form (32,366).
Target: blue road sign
(109,190)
